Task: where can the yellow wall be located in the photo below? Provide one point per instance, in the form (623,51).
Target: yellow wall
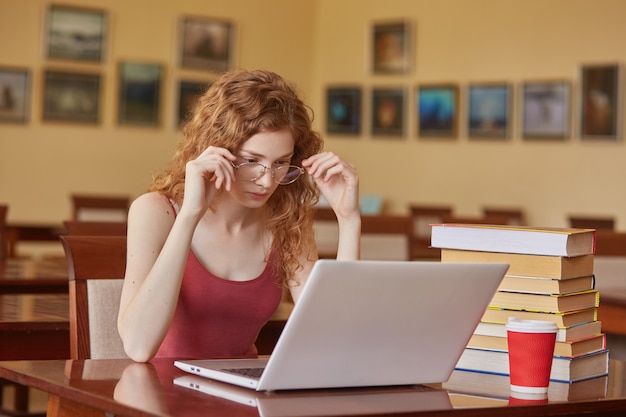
(473,41)
(41,163)
(316,43)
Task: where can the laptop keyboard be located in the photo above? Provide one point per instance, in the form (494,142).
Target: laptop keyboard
(249,372)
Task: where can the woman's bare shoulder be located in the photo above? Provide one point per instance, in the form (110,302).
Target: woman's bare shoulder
(151,205)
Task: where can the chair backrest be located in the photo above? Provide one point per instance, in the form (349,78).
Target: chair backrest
(100,207)
(512,216)
(386,237)
(423,216)
(591,222)
(4,238)
(96,266)
(85,228)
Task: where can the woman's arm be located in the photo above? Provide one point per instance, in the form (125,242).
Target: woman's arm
(338,182)
(158,247)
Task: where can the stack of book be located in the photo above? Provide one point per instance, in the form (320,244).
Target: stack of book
(550,277)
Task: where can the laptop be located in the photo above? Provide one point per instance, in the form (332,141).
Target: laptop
(369,323)
(356,401)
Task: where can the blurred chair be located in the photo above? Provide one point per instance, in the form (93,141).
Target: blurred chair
(493,219)
(86,228)
(96,266)
(4,237)
(109,208)
(386,237)
(591,222)
(609,269)
(326,232)
(422,217)
(513,216)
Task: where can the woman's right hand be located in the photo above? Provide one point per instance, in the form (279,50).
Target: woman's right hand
(205,176)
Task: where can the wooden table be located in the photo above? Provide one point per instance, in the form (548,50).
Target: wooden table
(124,388)
(34,276)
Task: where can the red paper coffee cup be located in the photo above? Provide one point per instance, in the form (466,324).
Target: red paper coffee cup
(531,348)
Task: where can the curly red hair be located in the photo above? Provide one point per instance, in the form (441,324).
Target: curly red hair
(237,106)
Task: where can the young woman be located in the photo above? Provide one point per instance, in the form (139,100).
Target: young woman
(230,223)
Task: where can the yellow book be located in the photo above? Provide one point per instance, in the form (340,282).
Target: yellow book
(562,320)
(555,267)
(553,303)
(568,349)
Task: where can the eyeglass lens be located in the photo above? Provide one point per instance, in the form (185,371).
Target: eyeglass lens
(281,174)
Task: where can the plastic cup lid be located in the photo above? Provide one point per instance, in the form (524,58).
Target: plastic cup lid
(531,326)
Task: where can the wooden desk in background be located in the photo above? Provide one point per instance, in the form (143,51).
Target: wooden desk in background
(31,232)
(92,387)
(33,276)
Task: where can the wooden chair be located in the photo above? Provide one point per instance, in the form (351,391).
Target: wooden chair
(512,216)
(386,237)
(422,217)
(326,232)
(100,207)
(96,266)
(610,270)
(4,237)
(85,228)
(591,222)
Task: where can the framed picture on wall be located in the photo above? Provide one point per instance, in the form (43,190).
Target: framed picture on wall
(71,97)
(437,110)
(76,33)
(343,110)
(391,49)
(206,44)
(601,103)
(546,109)
(14,95)
(388,111)
(489,110)
(139,93)
(188,93)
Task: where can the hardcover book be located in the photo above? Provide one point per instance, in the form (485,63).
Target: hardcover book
(514,239)
(543,266)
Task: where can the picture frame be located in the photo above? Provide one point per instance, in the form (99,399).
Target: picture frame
(76,33)
(343,110)
(388,112)
(71,97)
(206,44)
(601,102)
(188,94)
(437,110)
(391,48)
(14,95)
(139,93)
(489,110)
(546,109)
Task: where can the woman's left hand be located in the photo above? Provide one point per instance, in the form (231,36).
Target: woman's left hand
(338,182)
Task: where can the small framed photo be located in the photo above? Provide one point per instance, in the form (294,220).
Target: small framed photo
(343,110)
(489,110)
(139,93)
(188,94)
(206,44)
(71,97)
(391,47)
(76,33)
(388,111)
(601,104)
(14,95)
(437,110)
(546,109)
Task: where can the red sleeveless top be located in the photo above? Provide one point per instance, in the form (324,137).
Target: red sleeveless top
(217,318)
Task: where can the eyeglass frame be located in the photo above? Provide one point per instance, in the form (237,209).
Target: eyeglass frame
(272,171)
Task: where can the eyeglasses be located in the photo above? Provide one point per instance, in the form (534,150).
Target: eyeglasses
(252,171)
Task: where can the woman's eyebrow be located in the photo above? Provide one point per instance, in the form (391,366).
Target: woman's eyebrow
(258,155)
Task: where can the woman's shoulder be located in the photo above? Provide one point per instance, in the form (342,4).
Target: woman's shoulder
(152,204)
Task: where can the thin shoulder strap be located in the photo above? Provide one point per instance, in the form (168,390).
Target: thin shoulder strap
(174,206)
